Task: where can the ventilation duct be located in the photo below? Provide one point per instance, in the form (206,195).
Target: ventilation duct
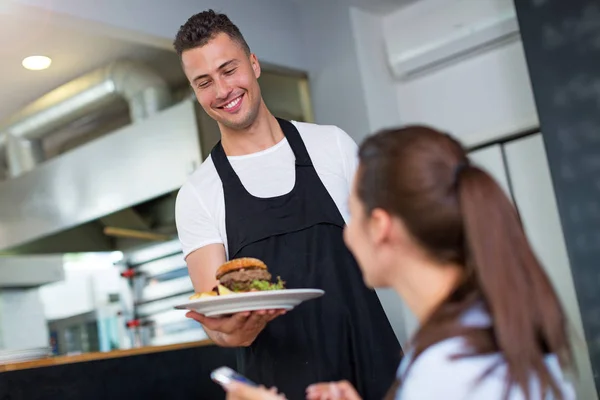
(144,91)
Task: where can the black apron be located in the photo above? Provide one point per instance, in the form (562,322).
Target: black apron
(343,335)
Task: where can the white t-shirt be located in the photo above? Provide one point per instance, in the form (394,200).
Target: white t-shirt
(200,206)
(434,375)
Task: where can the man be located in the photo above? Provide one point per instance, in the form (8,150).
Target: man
(277,190)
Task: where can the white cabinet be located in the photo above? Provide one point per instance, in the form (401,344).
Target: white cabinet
(491,159)
(534,195)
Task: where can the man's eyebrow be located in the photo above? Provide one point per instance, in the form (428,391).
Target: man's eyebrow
(222,66)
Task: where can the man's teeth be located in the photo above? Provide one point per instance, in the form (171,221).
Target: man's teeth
(233,103)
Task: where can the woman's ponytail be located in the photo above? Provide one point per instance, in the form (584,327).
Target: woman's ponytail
(527,316)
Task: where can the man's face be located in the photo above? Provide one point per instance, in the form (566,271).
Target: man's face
(225,80)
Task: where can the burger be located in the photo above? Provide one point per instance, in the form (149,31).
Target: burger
(242,275)
(246,275)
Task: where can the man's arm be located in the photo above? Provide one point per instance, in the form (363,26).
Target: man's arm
(203,264)
(233,331)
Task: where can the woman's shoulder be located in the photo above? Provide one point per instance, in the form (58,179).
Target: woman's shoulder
(437,374)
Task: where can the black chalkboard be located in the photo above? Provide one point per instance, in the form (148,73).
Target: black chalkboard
(562,47)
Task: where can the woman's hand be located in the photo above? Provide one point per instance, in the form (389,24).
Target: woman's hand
(241,391)
(342,390)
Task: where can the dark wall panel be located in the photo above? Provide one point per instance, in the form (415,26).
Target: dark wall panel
(562,46)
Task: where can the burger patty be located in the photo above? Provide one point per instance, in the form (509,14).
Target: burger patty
(243,277)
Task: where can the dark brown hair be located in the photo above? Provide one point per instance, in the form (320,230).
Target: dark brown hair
(458,213)
(203,27)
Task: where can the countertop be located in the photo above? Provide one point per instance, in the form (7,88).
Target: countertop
(58,360)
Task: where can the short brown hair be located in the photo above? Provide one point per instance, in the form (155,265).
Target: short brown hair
(200,28)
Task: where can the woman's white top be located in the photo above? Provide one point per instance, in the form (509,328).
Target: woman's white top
(434,375)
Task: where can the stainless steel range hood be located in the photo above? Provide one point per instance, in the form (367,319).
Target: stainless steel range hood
(144,91)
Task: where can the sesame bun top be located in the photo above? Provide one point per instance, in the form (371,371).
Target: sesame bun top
(240,263)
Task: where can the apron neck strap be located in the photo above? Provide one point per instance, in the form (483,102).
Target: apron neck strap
(295,140)
(223,166)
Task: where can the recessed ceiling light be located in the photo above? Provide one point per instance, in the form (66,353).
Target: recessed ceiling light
(36,63)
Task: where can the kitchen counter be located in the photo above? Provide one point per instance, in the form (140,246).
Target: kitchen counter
(173,372)
(59,360)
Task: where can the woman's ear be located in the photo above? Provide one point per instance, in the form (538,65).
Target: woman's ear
(380,226)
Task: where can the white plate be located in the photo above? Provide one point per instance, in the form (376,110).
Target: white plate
(285,299)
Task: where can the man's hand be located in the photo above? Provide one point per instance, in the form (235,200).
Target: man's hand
(232,331)
(342,390)
(237,330)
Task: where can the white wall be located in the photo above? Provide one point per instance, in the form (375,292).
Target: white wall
(478,99)
(377,83)
(335,79)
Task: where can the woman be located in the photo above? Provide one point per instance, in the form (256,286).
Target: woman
(443,234)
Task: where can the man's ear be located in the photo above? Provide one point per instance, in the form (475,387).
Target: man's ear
(255,65)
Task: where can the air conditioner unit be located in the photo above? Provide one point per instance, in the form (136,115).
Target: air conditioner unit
(460,44)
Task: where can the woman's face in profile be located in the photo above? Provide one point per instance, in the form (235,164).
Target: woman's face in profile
(357,236)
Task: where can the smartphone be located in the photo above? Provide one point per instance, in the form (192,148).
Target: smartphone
(224,375)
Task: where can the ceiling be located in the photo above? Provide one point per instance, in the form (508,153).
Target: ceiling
(73,51)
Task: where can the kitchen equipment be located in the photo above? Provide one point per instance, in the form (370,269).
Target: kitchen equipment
(159,280)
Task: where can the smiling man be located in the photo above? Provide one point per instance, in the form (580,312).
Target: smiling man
(277,190)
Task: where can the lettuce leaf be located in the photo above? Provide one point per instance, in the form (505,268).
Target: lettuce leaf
(266,285)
